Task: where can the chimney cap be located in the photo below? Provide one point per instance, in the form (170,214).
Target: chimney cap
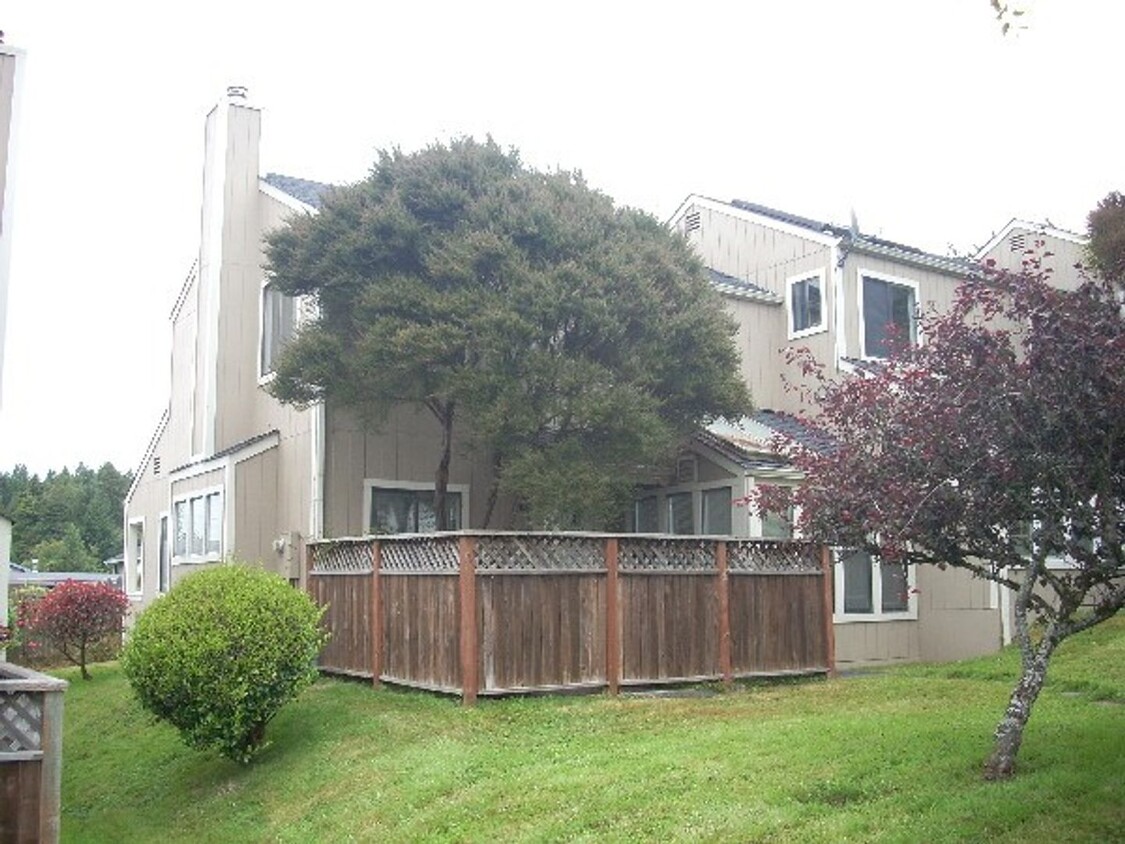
(237,92)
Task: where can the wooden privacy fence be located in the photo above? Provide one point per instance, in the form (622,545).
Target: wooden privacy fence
(494,613)
(31,709)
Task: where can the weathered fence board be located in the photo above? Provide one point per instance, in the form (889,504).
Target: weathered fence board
(775,623)
(347,598)
(31,711)
(487,613)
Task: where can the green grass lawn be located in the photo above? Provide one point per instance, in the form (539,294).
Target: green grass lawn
(894,756)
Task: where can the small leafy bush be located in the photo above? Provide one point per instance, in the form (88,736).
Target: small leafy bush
(221,653)
(73,616)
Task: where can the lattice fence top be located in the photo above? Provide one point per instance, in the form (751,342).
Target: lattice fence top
(540,553)
(345,556)
(653,554)
(773,557)
(21,722)
(420,555)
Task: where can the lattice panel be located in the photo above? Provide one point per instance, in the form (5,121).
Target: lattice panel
(420,555)
(540,553)
(773,557)
(21,721)
(670,555)
(343,557)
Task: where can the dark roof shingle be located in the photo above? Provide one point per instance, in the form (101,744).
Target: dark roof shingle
(307,191)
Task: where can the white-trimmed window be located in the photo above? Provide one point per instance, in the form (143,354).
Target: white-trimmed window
(135,568)
(646,515)
(805,297)
(716,511)
(679,513)
(867,590)
(278,324)
(408,507)
(886,301)
(197,527)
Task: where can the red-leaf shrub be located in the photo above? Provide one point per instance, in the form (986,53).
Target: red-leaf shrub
(74,615)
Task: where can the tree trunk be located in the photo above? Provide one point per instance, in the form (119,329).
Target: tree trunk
(1009,732)
(493,491)
(441,477)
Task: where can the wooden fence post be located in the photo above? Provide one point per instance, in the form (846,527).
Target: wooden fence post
(829,609)
(612,619)
(722,584)
(466,548)
(376,613)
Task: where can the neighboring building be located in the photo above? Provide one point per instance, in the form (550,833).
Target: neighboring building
(231,472)
(790,281)
(11,81)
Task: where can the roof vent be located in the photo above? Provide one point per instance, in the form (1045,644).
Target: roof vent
(691,222)
(1017,242)
(236,92)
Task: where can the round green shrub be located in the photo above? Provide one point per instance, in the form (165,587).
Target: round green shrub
(221,653)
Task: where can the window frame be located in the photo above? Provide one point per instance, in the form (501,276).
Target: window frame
(822,326)
(681,495)
(267,286)
(915,333)
(201,498)
(730,496)
(878,614)
(134,562)
(371,484)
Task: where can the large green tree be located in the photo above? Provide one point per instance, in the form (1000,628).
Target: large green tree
(1106,227)
(574,341)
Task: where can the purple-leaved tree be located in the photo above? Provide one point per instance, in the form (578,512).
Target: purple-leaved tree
(996,446)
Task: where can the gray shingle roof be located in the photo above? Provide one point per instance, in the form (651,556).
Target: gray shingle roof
(859,242)
(307,191)
(725,283)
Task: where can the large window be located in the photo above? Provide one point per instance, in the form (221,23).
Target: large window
(716,511)
(645,515)
(679,513)
(279,321)
(869,591)
(888,309)
(197,527)
(806,304)
(407,510)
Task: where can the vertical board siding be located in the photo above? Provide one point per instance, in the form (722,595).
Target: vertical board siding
(776,623)
(19,801)
(669,626)
(347,615)
(421,625)
(541,631)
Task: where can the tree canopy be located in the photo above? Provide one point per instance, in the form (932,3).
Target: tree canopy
(1106,227)
(997,446)
(67,520)
(575,342)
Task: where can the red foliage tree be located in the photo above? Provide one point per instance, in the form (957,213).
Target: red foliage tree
(997,446)
(74,615)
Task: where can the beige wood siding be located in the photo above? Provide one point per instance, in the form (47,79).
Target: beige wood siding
(752,251)
(955,616)
(149,500)
(1010,253)
(404,449)
(257,511)
(869,642)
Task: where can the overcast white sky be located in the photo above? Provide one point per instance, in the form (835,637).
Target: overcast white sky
(918,115)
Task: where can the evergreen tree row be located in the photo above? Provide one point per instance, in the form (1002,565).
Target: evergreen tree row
(68,520)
